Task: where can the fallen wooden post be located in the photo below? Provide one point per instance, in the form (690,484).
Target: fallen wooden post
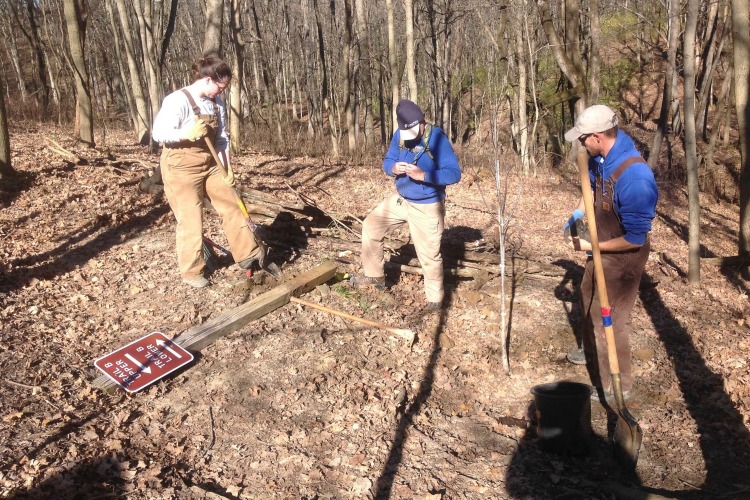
(206,334)
(404,333)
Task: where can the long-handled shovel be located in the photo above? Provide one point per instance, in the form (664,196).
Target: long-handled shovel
(401,332)
(271,267)
(628,434)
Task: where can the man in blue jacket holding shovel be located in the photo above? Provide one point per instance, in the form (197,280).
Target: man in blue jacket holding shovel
(422,161)
(625,196)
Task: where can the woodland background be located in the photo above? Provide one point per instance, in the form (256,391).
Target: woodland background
(323,77)
(298,405)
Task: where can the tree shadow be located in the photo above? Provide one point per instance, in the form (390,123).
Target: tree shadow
(384,484)
(731,269)
(567,292)
(724,438)
(70,482)
(106,476)
(12,186)
(68,256)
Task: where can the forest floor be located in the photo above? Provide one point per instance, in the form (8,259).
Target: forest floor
(302,404)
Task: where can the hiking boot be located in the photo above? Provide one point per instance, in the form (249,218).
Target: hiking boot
(368,281)
(601,395)
(576,356)
(196,282)
(432,308)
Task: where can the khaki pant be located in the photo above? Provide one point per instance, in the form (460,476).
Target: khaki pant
(190,174)
(426,223)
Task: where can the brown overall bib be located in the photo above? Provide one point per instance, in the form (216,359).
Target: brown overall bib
(190,174)
(622,274)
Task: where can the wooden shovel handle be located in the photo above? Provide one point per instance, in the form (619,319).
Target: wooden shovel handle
(401,332)
(223,169)
(601,285)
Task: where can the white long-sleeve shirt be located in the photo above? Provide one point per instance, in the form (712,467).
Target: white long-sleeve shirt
(176,113)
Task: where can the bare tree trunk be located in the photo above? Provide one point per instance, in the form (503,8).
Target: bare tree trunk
(519,12)
(75,20)
(36,43)
(363,37)
(569,66)
(670,82)
(721,110)
(530,44)
(141,118)
(691,158)
(144,14)
(595,62)
(52,71)
(9,37)
(411,75)
(393,64)
(6,168)
(445,96)
(314,124)
(121,63)
(741,53)
(214,25)
(238,63)
(705,81)
(348,76)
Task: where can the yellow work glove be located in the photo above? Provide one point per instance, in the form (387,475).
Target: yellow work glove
(197,130)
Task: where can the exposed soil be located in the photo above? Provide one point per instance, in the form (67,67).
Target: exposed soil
(302,404)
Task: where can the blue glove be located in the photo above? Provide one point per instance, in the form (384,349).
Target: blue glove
(577,214)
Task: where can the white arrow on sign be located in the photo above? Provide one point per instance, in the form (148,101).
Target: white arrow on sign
(145,369)
(163,344)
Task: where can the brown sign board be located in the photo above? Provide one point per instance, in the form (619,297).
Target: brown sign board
(143,361)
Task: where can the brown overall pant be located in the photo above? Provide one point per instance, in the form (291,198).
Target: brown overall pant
(622,274)
(190,174)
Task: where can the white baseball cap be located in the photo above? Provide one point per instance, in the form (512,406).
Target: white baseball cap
(592,120)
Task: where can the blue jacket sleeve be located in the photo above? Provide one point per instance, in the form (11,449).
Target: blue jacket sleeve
(446,171)
(637,207)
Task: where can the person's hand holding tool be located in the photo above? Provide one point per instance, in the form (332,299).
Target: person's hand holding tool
(196,131)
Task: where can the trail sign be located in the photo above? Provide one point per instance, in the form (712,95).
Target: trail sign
(143,361)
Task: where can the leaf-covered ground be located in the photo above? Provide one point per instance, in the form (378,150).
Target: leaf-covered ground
(303,404)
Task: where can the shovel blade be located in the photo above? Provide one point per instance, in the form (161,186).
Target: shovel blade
(274,270)
(627,440)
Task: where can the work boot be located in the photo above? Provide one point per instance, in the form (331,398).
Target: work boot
(196,282)
(368,281)
(577,356)
(432,308)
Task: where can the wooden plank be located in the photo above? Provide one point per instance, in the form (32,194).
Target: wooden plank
(201,336)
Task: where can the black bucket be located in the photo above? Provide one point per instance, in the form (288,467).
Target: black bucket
(563,417)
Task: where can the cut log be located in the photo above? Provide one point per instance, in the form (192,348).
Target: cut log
(209,332)
(255,196)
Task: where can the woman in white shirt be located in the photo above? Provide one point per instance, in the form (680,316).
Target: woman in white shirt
(189,172)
